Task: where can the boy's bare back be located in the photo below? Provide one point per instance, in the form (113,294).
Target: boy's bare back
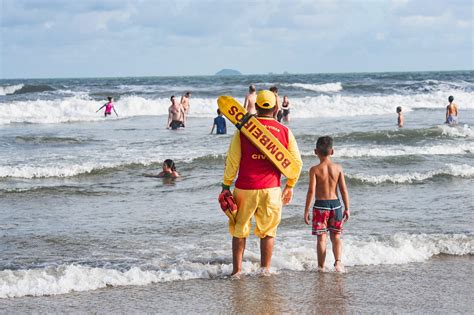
(327,175)
(452,109)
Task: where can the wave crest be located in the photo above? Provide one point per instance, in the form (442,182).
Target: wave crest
(326,87)
(466,171)
(10,89)
(401,150)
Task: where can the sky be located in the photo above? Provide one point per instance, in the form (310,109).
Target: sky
(106,38)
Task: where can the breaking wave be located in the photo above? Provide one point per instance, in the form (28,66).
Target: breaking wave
(76,168)
(82,108)
(466,171)
(10,89)
(326,87)
(400,150)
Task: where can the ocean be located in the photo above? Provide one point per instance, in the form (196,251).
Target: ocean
(84,227)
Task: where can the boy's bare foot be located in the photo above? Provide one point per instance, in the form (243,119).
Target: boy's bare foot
(321,269)
(338,266)
(235,275)
(265,272)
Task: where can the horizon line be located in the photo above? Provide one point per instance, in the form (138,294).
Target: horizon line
(242,74)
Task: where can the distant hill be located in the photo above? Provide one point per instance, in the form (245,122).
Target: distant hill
(228,72)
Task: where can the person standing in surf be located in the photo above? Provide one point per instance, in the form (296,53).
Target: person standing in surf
(257,188)
(278,113)
(285,107)
(185,103)
(219,122)
(176,116)
(250,98)
(401,119)
(109,106)
(451,112)
(324,180)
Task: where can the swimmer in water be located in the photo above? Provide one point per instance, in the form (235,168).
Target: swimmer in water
(109,106)
(169,170)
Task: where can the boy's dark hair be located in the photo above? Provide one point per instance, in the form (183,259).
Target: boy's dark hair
(451,99)
(399,109)
(252,88)
(218,111)
(274,89)
(109,98)
(171,98)
(324,145)
(187,94)
(170,164)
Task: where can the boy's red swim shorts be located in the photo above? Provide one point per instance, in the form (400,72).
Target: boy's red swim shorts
(327,215)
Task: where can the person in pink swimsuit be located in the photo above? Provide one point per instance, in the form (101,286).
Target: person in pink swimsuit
(109,106)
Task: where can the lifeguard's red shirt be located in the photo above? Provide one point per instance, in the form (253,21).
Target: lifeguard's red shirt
(254,170)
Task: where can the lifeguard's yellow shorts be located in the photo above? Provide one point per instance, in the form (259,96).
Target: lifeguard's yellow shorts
(265,204)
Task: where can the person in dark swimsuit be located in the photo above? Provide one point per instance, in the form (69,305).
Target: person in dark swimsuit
(285,105)
(219,122)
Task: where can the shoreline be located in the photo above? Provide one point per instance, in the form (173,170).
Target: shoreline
(416,287)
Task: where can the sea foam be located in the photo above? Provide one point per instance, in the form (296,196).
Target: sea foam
(295,252)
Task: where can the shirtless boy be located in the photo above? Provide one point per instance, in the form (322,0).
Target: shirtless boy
(451,112)
(324,179)
(176,117)
(250,99)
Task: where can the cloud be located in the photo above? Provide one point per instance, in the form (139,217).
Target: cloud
(421,20)
(125,37)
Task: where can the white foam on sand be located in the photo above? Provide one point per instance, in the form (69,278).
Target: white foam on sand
(295,252)
(464,170)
